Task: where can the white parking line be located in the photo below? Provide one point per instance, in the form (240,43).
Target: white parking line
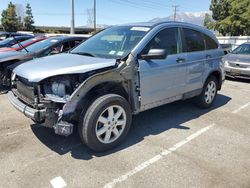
(241,108)
(58,182)
(156,158)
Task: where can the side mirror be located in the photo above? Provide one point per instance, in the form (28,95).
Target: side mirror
(155,54)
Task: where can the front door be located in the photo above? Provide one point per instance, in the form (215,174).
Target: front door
(163,79)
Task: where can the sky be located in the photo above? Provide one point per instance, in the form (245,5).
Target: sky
(110,12)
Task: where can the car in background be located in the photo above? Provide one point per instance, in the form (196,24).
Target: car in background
(5,35)
(14,40)
(50,46)
(121,71)
(24,44)
(237,63)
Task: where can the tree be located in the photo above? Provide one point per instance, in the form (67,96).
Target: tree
(28,19)
(9,19)
(20,14)
(240,17)
(209,22)
(232,16)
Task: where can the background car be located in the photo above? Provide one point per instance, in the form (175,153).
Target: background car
(5,35)
(23,44)
(14,40)
(237,63)
(50,46)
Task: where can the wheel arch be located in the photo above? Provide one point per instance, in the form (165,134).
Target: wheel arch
(100,84)
(217,74)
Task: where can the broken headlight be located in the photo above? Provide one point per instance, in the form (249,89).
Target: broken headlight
(58,89)
(55,88)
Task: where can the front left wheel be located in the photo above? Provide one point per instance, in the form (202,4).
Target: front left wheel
(106,122)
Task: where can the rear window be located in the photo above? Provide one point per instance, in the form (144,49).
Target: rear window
(210,43)
(194,40)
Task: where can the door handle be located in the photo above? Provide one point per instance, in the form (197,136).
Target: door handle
(208,56)
(180,60)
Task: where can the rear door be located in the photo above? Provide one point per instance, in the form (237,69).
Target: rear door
(163,79)
(194,45)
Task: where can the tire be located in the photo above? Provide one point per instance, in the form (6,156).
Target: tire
(209,93)
(99,129)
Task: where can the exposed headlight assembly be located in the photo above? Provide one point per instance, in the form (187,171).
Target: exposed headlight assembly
(58,89)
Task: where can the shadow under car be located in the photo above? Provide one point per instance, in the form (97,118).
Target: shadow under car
(151,122)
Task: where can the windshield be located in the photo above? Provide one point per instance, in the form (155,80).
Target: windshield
(242,49)
(23,43)
(115,42)
(6,41)
(41,45)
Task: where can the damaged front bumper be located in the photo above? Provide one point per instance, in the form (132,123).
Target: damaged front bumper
(50,118)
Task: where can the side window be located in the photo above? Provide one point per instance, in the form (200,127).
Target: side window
(65,47)
(74,43)
(166,39)
(53,50)
(210,43)
(22,39)
(194,40)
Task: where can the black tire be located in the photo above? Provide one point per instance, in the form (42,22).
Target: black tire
(201,99)
(89,119)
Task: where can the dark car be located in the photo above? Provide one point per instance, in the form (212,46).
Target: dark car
(50,46)
(14,40)
(5,35)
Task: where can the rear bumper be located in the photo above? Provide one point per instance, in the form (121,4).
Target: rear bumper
(37,115)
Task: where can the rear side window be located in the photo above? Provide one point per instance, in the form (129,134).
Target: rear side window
(166,39)
(210,43)
(74,43)
(194,40)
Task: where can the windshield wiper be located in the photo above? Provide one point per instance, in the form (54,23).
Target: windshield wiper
(19,44)
(84,53)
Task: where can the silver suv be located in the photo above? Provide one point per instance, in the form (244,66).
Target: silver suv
(115,74)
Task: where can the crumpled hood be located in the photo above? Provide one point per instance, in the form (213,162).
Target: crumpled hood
(237,58)
(5,56)
(42,68)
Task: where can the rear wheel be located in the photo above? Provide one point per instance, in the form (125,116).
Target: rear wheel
(106,122)
(209,93)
